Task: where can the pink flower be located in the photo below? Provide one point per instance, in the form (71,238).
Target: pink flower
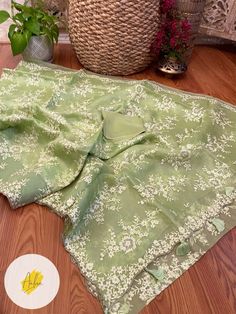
(159,40)
(186,25)
(172,42)
(166,5)
(160,35)
(174,34)
(174,25)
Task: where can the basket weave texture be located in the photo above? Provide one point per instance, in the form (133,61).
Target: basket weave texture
(114,36)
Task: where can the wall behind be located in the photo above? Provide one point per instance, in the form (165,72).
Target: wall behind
(4,5)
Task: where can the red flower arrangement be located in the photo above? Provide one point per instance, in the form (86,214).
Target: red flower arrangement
(173,38)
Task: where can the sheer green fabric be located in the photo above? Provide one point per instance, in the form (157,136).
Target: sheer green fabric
(143,174)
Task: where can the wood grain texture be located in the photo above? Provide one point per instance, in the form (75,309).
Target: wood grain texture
(207,287)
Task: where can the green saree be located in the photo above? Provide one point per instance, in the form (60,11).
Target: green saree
(143,174)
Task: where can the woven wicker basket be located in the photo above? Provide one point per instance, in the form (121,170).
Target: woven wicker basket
(115,36)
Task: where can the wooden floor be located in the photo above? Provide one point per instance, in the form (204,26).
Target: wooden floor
(208,287)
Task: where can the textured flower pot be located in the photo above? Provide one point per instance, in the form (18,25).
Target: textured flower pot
(39,48)
(113,37)
(171,66)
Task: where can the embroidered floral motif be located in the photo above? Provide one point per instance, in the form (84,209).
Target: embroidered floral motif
(127,204)
(157,186)
(130,236)
(213,178)
(195,114)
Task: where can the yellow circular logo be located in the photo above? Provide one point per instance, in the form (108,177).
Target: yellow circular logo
(31,281)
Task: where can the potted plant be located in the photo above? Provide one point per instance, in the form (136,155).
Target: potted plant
(172,40)
(32,32)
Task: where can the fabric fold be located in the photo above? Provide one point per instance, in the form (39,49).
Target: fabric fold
(143,174)
(119,127)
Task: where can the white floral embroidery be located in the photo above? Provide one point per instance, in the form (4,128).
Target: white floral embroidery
(213,178)
(53,151)
(106,200)
(195,114)
(219,118)
(157,186)
(130,235)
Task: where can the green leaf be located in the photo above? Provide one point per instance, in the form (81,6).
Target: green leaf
(19,17)
(33,26)
(27,11)
(28,35)
(4,15)
(49,19)
(219,224)
(46,32)
(158,274)
(18,43)
(39,15)
(55,34)
(18,6)
(11,30)
(26,15)
(183,249)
